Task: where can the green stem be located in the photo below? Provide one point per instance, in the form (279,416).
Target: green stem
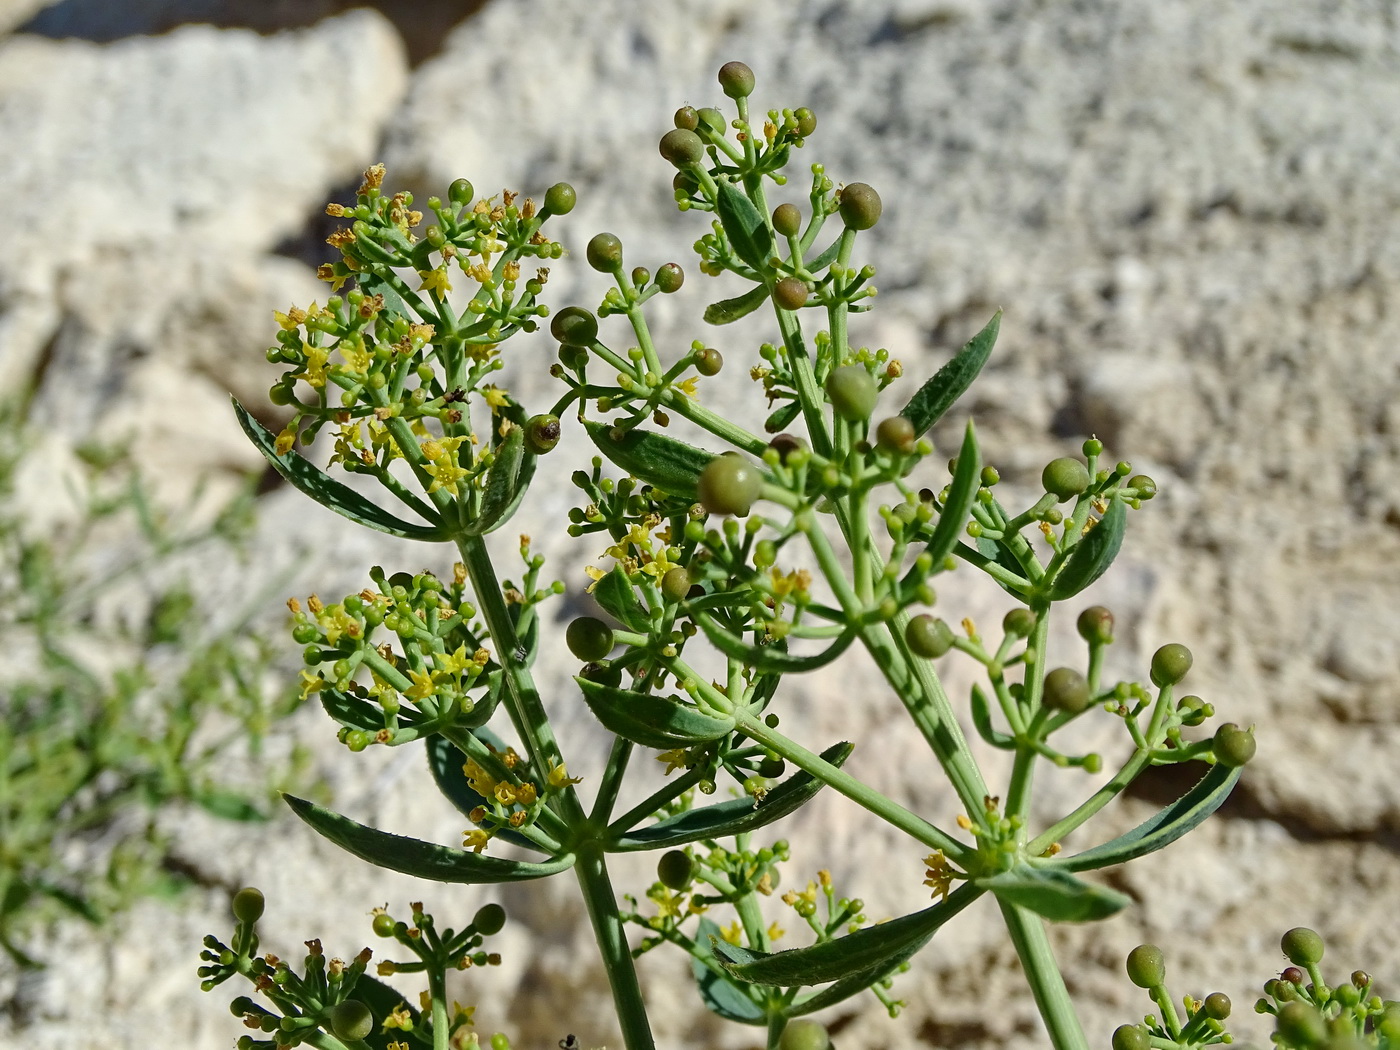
(1092,805)
(1043,975)
(608,930)
(437,988)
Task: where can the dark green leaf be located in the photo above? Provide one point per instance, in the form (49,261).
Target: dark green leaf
(446,762)
(734,817)
(781,417)
(328,492)
(662,462)
(825,259)
(1166,827)
(504,488)
(615,594)
(1054,894)
(772,658)
(352,711)
(744,226)
(721,995)
(982,720)
(728,310)
(229,805)
(937,395)
(967,476)
(653,721)
(1093,554)
(424,860)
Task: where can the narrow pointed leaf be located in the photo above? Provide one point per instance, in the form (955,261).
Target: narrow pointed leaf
(445,761)
(663,462)
(1054,894)
(727,311)
(772,658)
(615,594)
(328,492)
(1092,555)
(937,395)
(781,417)
(504,489)
(653,721)
(721,995)
(744,226)
(1166,827)
(967,476)
(735,816)
(825,259)
(424,860)
(982,720)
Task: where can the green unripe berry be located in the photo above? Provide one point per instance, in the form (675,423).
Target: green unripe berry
(804,1034)
(928,637)
(1300,1024)
(589,638)
(786,444)
(896,434)
(640,276)
(489,919)
(605,253)
(560,199)
(281,394)
(461,192)
(1217,1006)
(1147,966)
(1170,664)
(1233,747)
(852,392)
(1146,487)
(790,293)
(806,121)
(736,79)
(500,1041)
(670,278)
(1066,690)
(682,148)
(675,584)
(708,361)
(1130,1037)
(305,633)
(574,326)
(674,869)
(1302,946)
(1065,478)
(860,206)
(712,118)
(729,485)
(541,433)
(1018,622)
(248,904)
(351,1020)
(787,220)
(383,925)
(1095,625)
(686,118)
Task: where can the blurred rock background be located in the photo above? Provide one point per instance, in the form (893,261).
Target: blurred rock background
(1187,210)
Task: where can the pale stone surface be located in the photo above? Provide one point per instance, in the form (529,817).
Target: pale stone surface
(1187,212)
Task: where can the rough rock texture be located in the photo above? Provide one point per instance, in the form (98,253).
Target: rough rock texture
(1187,212)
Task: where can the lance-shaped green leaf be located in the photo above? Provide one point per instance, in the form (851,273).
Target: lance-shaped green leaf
(727,311)
(660,461)
(772,658)
(1092,555)
(424,860)
(744,226)
(937,395)
(982,720)
(1166,827)
(650,720)
(722,996)
(967,476)
(872,949)
(505,483)
(328,492)
(826,258)
(446,761)
(1054,894)
(781,417)
(615,594)
(735,816)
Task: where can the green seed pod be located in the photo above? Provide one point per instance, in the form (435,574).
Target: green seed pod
(542,433)
(1131,1037)
(928,637)
(461,192)
(1147,966)
(708,361)
(641,276)
(806,121)
(1217,1006)
(682,148)
(787,220)
(852,392)
(589,638)
(804,1034)
(1302,946)
(686,118)
(860,206)
(736,79)
(1170,664)
(790,293)
(248,904)
(670,278)
(1066,690)
(574,326)
(1192,710)
(674,869)
(896,434)
(1146,487)
(1095,625)
(605,253)
(489,919)
(351,1020)
(1018,622)
(1233,747)
(383,925)
(1300,1024)
(729,485)
(712,119)
(560,199)
(1065,478)
(675,584)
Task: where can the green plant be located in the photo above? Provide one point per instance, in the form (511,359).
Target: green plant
(103,723)
(710,611)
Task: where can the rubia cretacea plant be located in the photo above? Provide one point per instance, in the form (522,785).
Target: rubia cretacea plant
(709,612)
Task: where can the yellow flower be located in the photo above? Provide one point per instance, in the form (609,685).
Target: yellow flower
(454,663)
(939,875)
(445,475)
(311,683)
(595,574)
(776,932)
(495,396)
(674,759)
(475,840)
(400,1019)
(286,439)
(480,781)
(687,386)
(558,777)
(290,320)
(435,281)
(314,371)
(732,932)
(422,687)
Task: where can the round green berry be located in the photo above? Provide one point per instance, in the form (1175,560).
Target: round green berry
(489,919)
(896,434)
(1217,1006)
(1302,946)
(1095,625)
(686,118)
(675,584)
(383,924)
(729,485)
(605,253)
(682,148)
(560,199)
(1170,664)
(281,393)
(670,278)
(928,636)
(736,79)
(461,192)
(852,392)
(787,220)
(351,1020)
(804,1034)
(1065,478)
(1300,1024)
(1233,747)
(1145,486)
(1018,622)
(786,444)
(640,276)
(574,326)
(712,118)
(1066,690)
(806,121)
(541,433)
(589,638)
(248,904)
(790,293)
(1130,1037)
(708,361)
(1147,966)
(674,869)
(860,206)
